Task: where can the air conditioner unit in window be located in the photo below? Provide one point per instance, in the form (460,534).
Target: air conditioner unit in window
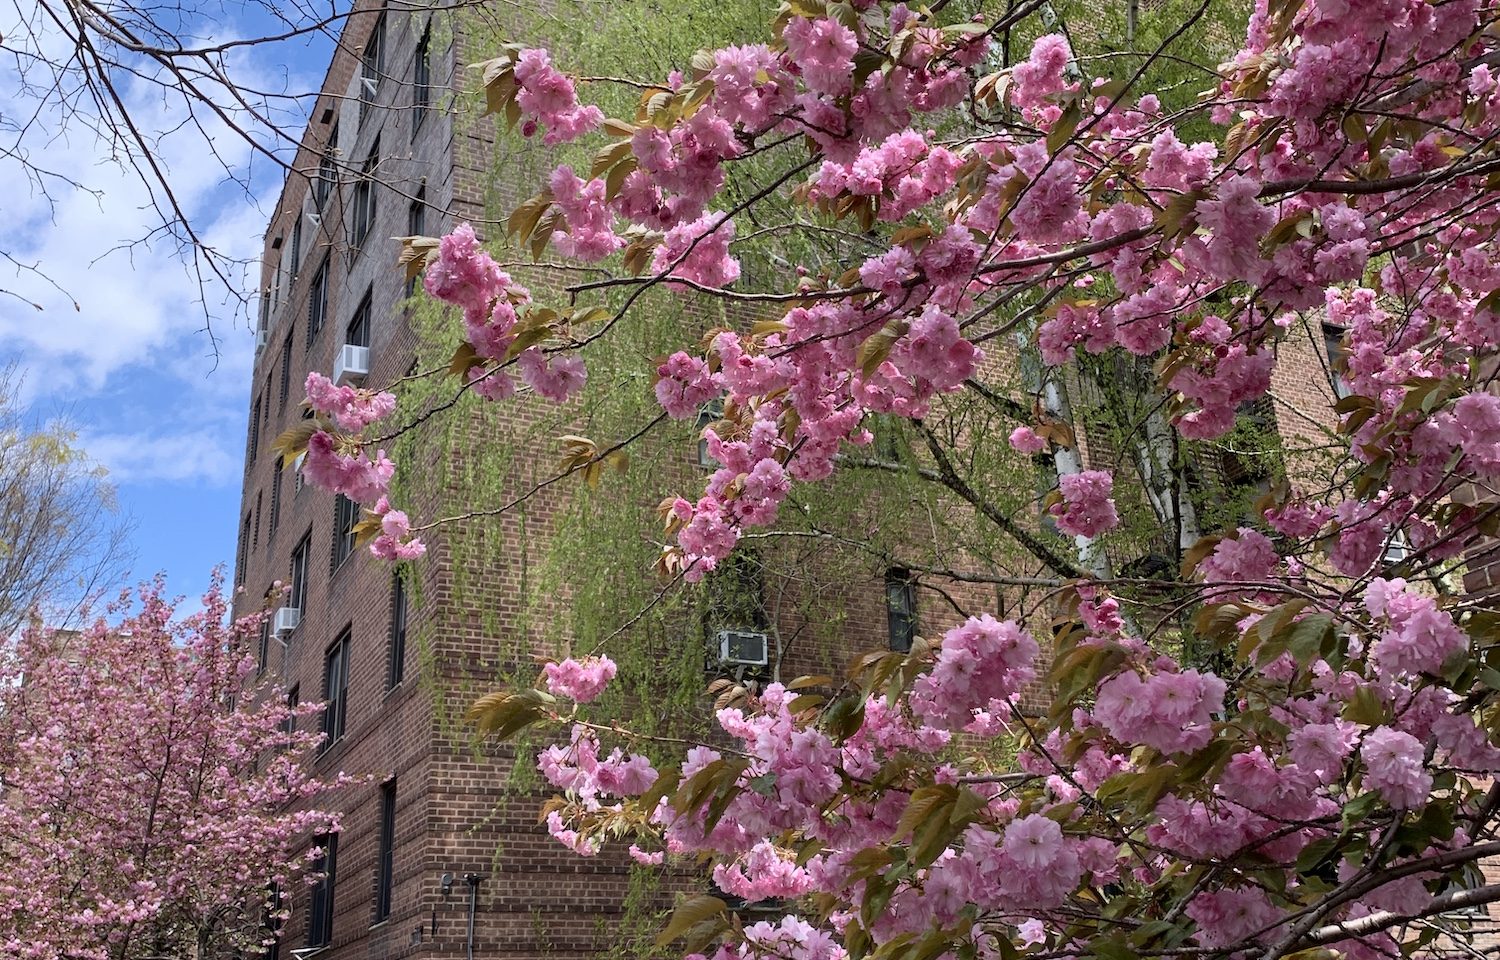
(743,647)
(352,363)
(285,620)
(260,339)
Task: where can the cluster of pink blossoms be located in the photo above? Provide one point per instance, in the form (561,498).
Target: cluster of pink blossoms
(1086,509)
(1417,636)
(1169,710)
(547,97)
(579,680)
(351,408)
(341,464)
(981,666)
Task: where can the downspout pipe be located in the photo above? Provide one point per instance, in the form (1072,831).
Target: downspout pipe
(472,879)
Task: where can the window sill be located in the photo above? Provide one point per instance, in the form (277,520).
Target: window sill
(332,747)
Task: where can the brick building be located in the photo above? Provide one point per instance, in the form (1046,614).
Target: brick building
(435,858)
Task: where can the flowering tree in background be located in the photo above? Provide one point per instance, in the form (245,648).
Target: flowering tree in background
(143,792)
(1316,783)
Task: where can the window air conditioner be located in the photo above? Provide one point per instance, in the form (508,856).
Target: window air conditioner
(260,339)
(353,363)
(285,620)
(743,647)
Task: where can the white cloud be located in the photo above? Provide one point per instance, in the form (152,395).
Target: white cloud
(140,305)
(197,456)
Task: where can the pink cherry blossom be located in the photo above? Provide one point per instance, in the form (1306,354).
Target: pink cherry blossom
(580,680)
(1086,509)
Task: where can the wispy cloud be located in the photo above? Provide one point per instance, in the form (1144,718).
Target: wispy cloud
(198,456)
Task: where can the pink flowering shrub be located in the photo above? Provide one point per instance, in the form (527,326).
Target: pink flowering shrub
(137,808)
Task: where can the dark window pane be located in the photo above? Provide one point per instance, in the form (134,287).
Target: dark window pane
(345,517)
(900,609)
(416,226)
(1338,358)
(397,669)
(335,689)
(276,494)
(320,908)
(387,851)
(358,331)
(255,429)
(263,650)
(293,698)
(298,597)
(317,303)
(286,371)
(364,196)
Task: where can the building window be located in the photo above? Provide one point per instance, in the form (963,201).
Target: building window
(1397,547)
(286,371)
(416,226)
(735,592)
(708,415)
(317,303)
(384,866)
(900,609)
(276,495)
(263,646)
(298,596)
(323,185)
(345,518)
(371,67)
(320,909)
(358,331)
(335,689)
(276,279)
(293,701)
(1338,359)
(255,429)
(296,247)
(364,196)
(255,536)
(239,565)
(396,672)
(421,81)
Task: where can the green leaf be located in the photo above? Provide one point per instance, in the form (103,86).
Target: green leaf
(924,806)
(1365,707)
(844,717)
(1359,809)
(690,913)
(1315,853)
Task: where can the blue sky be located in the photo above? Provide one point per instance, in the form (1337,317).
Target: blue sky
(154,397)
